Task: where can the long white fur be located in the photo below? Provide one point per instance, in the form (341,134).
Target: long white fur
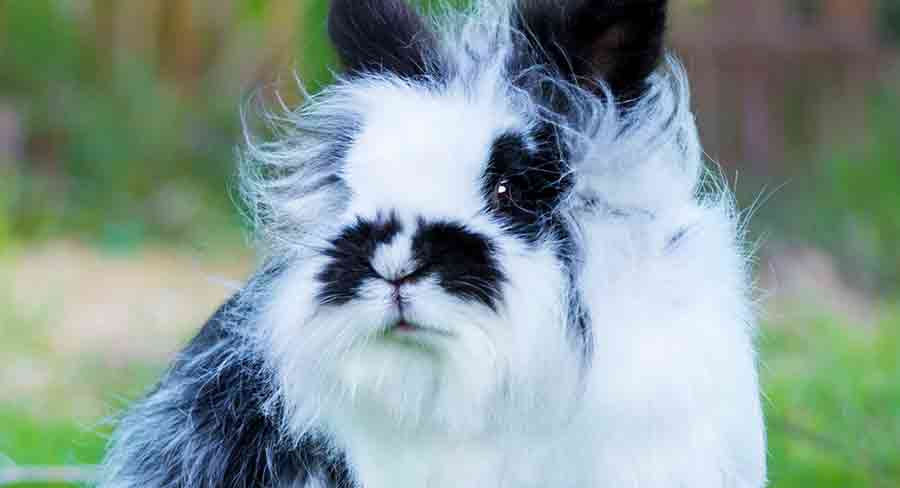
(670,398)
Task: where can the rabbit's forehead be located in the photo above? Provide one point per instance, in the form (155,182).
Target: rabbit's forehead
(424,152)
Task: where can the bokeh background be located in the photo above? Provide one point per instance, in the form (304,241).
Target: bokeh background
(118,236)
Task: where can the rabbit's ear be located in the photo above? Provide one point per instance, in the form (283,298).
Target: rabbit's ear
(381,36)
(618,41)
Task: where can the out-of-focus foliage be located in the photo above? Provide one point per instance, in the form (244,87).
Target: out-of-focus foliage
(890,19)
(122,143)
(851,205)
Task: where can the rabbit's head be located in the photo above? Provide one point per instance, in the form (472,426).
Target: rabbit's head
(427,211)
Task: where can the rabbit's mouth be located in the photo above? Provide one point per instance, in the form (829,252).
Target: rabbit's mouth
(406,329)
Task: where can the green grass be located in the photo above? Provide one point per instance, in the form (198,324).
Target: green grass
(39,441)
(61,416)
(833,403)
(832,400)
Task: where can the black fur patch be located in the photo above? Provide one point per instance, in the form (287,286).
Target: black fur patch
(351,255)
(210,422)
(525,180)
(463,261)
(535,179)
(618,41)
(378,36)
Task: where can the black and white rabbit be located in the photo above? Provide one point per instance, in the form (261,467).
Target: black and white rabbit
(491,261)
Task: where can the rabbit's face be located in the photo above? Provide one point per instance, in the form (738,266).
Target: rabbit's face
(445,195)
(442,197)
(446,276)
(447,262)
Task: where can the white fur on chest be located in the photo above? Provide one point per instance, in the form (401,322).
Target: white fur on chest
(508,461)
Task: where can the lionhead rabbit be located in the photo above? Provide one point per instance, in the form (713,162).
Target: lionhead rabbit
(490,261)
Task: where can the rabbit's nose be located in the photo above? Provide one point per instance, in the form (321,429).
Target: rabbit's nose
(408,278)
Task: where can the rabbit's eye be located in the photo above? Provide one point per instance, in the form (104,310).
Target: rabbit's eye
(503,189)
(505,193)
(523,178)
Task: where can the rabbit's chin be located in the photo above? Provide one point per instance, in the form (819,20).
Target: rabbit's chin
(418,378)
(406,388)
(461,384)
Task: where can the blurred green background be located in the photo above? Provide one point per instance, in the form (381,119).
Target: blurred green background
(118,236)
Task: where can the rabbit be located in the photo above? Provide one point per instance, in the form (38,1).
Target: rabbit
(491,256)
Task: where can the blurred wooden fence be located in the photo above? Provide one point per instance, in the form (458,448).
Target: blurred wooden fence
(776,82)
(237,42)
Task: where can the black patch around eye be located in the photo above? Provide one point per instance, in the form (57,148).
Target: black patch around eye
(534,179)
(463,261)
(525,180)
(351,254)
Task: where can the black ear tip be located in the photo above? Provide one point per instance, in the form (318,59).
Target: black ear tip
(381,36)
(618,41)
